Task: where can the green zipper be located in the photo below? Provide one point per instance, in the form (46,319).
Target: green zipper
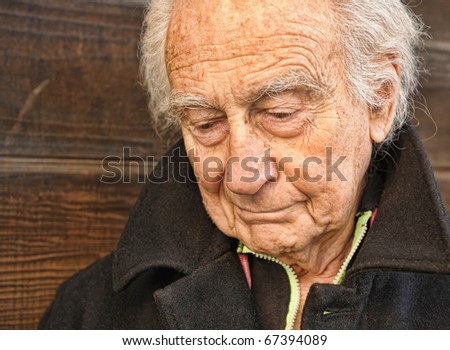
(294,300)
(361,228)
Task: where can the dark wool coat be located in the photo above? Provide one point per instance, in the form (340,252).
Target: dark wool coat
(174,269)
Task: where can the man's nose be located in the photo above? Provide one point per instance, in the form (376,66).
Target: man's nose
(250,165)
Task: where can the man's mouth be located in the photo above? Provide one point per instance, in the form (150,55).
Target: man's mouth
(275,215)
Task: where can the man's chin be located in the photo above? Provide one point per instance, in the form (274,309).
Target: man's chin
(268,238)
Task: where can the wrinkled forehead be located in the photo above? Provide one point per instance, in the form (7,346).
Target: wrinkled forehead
(221,29)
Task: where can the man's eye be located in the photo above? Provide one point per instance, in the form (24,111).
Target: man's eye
(210,132)
(281,115)
(208,125)
(285,123)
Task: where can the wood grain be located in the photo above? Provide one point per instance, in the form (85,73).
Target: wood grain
(69,80)
(69,96)
(52,224)
(433,124)
(436,14)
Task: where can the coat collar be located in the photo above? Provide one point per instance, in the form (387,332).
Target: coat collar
(411,229)
(216,296)
(169,228)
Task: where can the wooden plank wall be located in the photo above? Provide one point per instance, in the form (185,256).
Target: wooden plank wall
(68,98)
(435,127)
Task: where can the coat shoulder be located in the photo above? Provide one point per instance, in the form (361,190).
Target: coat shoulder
(68,309)
(87,300)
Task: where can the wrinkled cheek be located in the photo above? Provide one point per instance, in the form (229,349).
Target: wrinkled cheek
(308,176)
(211,175)
(220,211)
(208,169)
(327,183)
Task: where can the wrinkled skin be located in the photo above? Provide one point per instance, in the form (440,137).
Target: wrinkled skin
(226,52)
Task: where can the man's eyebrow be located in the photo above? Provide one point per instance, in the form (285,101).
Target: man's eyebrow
(179,101)
(291,81)
(185,100)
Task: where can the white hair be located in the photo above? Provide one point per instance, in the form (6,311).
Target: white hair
(370,31)
(367,31)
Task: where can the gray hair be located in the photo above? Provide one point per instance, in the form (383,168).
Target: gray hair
(367,31)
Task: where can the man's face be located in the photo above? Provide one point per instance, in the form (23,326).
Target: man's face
(267,122)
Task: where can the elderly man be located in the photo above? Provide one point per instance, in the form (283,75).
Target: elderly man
(291,201)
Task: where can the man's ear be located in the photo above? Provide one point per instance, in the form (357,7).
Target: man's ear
(382,117)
